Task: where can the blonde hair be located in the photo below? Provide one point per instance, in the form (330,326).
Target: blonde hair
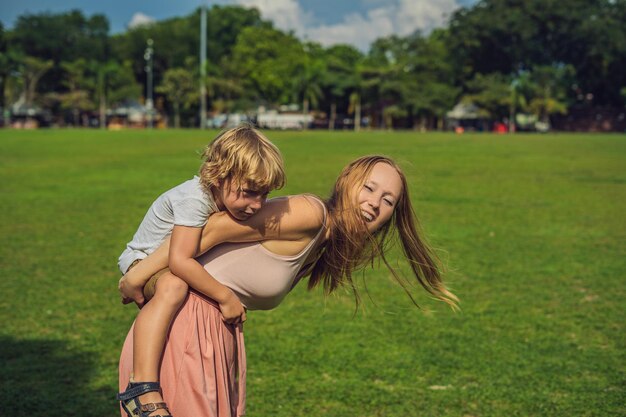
(242,155)
(350,246)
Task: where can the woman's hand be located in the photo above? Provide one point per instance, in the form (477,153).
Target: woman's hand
(233,311)
(130,290)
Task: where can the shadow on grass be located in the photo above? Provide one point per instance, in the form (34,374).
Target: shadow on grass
(48,378)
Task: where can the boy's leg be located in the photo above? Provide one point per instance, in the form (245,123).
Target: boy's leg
(151,327)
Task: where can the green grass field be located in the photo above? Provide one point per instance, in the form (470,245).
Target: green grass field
(532,230)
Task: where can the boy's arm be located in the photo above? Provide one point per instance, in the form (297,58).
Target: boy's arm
(183,247)
(132,283)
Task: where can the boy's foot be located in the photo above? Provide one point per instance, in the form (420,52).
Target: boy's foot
(143,399)
(153,397)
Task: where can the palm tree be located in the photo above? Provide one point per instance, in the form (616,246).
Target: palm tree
(309,83)
(77,98)
(32,69)
(180,88)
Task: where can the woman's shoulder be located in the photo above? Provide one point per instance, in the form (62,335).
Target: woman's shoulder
(308,203)
(316,203)
(304,212)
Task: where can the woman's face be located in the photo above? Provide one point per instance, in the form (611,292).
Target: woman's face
(379,195)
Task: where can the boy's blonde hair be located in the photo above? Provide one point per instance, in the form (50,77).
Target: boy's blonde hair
(244,156)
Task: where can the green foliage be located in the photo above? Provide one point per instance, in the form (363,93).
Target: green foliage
(224,24)
(180,87)
(31,69)
(540,91)
(223,88)
(310,77)
(266,60)
(62,37)
(342,70)
(551,88)
(341,82)
(492,93)
(507,36)
(411,73)
(176,39)
(119,81)
(11,82)
(430,66)
(79,84)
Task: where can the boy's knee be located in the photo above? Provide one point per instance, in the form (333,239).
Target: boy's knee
(171,288)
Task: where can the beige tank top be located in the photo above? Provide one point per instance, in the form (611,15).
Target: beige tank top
(260,278)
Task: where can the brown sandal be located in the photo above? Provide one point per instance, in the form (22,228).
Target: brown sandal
(134,407)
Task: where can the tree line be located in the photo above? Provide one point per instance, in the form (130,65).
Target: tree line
(505,56)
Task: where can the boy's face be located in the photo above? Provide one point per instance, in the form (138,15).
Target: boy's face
(241,201)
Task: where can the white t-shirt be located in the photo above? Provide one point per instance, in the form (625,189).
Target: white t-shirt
(184,205)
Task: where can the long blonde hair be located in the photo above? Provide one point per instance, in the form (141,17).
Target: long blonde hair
(350,246)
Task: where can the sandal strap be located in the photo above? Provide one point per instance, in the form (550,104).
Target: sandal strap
(153,407)
(138,389)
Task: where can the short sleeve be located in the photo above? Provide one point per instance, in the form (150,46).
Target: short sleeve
(191,212)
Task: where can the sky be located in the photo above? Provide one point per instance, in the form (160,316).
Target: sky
(356,22)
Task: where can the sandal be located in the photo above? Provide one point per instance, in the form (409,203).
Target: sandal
(134,407)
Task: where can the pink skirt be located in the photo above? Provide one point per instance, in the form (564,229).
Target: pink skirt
(203,371)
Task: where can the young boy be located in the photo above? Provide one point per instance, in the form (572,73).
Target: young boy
(240,167)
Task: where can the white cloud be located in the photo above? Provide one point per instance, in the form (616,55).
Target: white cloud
(140,19)
(286,14)
(401,17)
(384,18)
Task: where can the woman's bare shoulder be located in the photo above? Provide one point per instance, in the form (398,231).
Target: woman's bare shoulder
(303,212)
(310,208)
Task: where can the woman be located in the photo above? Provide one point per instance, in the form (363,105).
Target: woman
(289,238)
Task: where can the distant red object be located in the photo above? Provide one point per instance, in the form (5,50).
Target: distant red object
(500,127)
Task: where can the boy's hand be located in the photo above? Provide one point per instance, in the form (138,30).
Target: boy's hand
(130,292)
(233,311)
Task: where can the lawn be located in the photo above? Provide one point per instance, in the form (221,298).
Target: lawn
(531,229)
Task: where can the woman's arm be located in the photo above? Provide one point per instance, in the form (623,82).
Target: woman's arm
(292,218)
(285,218)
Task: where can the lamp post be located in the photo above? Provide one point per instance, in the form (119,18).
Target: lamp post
(203,67)
(149,103)
(512,107)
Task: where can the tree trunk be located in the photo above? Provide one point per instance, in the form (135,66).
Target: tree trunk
(103,100)
(512,118)
(176,116)
(422,123)
(545,116)
(30,92)
(333,115)
(31,87)
(357,114)
(387,120)
(103,116)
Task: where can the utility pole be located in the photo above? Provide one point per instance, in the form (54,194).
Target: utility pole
(203,67)
(149,66)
